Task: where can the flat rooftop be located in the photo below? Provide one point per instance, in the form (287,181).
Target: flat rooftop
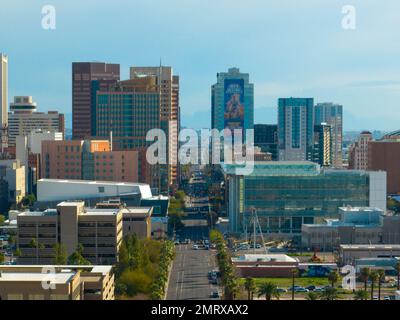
(137,211)
(370,247)
(92,182)
(45,213)
(56,278)
(263,258)
(100,212)
(36,269)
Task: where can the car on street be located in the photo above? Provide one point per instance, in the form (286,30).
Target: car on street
(195,247)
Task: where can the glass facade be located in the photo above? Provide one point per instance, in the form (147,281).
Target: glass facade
(286,195)
(295,128)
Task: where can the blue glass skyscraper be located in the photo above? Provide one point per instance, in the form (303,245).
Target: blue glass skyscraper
(295,128)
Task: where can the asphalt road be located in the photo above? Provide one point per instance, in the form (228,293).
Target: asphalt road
(189,279)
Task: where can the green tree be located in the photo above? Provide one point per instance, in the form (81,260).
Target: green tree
(333,277)
(381,277)
(269,290)
(312,296)
(374,277)
(361,295)
(77,257)
(135,281)
(2,219)
(17,252)
(28,200)
(2,258)
(60,254)
(364,275)
(250,286)
(33,243)
(330,293)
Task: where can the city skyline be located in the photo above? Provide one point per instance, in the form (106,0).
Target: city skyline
(355,68)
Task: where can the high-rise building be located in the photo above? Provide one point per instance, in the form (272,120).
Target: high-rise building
(384,154)
(232,101)
(169,87)
(88,160)
(322,153)
(332,114)
(266,138)
(130,110)
(3,101)
(87,79)
(358,151)
(23,119)
(295,129)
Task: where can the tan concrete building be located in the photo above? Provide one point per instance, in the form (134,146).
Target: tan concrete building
(32,282)
(13,172)
(136,220)
(23,119)
(99,231)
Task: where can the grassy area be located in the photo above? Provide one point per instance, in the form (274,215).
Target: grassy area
(287,282)
(303,254)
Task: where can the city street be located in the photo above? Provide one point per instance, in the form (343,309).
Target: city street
(189,279)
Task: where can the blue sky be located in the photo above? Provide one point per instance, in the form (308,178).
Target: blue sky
(289,47)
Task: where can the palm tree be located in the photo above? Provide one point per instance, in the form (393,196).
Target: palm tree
(312,296)
(398,275)
(361,295)
(231,288)
(250,286)
(333,278)
(330,293)
(374,277)
(364,275)
(269,290)
(294,274)
(381,277)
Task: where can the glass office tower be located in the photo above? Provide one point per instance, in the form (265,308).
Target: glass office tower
(288,194)
(332,115)
(295,128)
(232,101)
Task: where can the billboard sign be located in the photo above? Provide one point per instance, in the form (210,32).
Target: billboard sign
(234,104)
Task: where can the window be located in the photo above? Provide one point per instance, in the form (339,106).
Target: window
(101,189)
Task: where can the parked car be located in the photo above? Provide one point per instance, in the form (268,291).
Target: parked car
(311,288)
(318,290)
(294,287)
(301,289)
(215,294)
(195,247)
(281,290)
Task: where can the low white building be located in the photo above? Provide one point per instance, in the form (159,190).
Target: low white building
(49,190)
